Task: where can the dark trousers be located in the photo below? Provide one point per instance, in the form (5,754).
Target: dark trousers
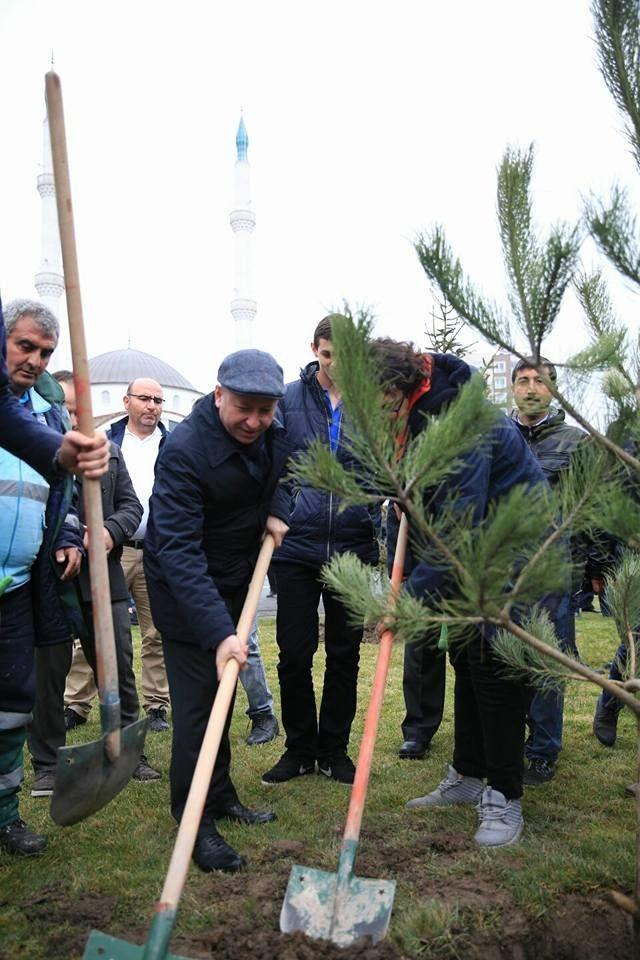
(193,684)
(489,714)
(47,732)
(310,736)
(423,685)
(17,643)
(17,693)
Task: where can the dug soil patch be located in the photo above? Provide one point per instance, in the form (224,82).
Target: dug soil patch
(248,908)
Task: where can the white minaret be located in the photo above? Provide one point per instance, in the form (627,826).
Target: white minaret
(49,280)
(243,221)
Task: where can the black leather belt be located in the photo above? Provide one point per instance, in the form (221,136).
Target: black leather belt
(136,544)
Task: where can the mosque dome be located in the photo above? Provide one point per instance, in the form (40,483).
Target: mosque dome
(123,366)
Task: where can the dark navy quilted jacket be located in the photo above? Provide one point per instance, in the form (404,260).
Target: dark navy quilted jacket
(318,530)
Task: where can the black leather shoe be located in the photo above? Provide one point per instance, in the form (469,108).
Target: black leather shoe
(413,749)
(238,813)
(605,723)
(16,838)
(212,852)
(72,719)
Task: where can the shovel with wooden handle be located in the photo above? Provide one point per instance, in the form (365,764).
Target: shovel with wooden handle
(89,775)
(340,906)
(101,946)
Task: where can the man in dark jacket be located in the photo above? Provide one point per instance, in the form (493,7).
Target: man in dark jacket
(35,443)
(553,441)
(312,410)
(424,665)
(489,707)
(40,552)
(122,511)
(216,490)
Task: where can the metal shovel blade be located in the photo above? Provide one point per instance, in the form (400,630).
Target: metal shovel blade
(100,946)
(86,779)
(313,905)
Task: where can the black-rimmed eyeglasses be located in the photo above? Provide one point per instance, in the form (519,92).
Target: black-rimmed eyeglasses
(146,398)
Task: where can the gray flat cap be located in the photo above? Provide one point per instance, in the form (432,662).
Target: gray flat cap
(252,372)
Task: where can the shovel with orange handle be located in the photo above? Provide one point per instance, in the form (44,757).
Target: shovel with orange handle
(340,906)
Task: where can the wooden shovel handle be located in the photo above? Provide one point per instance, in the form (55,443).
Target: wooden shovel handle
(100,592)
(188,829)
(365,756)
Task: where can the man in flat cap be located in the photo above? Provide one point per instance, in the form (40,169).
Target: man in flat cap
(216,492)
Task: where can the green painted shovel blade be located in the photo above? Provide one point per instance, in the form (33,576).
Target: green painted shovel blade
(100,946)
(314,905)
(86,780)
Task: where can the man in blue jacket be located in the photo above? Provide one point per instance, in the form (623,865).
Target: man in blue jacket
(490,707)
(215,493)
(40,551)
(312,410)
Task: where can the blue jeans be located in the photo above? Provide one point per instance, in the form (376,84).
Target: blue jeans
(546,708)
(616,672)
(254,679)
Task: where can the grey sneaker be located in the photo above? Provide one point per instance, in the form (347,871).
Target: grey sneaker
(43,783)
(453,789)
(500,819)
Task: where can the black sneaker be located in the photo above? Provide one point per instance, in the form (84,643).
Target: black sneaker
(158,719)
(540,771)
(43,783)
(338,767)
(144,772)
(72,719)
(605,723)
(16,838)
(264,729)
(288,766)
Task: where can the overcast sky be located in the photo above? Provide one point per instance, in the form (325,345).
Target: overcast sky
(368,121)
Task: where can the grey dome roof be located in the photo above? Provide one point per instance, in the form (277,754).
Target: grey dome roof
(123,366)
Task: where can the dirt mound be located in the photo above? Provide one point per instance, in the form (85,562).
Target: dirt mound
(580,928)
(583,928)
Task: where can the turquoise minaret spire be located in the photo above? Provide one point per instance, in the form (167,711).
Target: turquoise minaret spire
(242,141)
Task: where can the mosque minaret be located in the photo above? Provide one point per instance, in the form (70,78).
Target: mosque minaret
(243,221)
(49,280)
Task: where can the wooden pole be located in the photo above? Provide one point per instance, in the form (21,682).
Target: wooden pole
(100,590)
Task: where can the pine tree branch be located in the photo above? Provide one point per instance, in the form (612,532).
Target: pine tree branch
(617,27)
(609,445)
(615,230)
(514,217)
(554,536)
(574,666)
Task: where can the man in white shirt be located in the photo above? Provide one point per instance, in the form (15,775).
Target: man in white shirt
(140,435)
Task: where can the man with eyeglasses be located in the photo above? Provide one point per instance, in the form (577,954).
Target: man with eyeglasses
(141,434)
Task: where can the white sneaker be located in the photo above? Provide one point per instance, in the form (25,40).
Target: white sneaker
(453,789)
(500,820)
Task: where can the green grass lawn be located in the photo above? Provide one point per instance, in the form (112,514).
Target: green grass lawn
(107,871)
